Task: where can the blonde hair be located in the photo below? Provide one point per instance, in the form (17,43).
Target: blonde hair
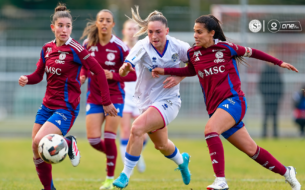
(91,31)
(153,16)
(61,11)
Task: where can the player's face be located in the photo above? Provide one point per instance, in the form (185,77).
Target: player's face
(62,29)
(157,32)
(202,35)
(129,30)
(104,22)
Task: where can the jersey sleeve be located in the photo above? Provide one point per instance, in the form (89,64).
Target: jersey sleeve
(187,71)
(91,64)
(183,51)
(37,76)
(131,76)
(135,54)
(237,50)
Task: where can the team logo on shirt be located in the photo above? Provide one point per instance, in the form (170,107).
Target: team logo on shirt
(49,49)
(62,57)
(212,71)
(219,56)
(154,60)
(92,49)
(196,54)
(110,56)
(53,70)
(175,57)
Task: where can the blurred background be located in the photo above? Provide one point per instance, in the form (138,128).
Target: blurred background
(270,91)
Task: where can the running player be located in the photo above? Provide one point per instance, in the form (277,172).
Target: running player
(158,105)
(130,112)
(110,52)
(214,60)
(62,60)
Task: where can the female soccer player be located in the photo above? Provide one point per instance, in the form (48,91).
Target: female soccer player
(159,106)
(110,52)
(62,60)
(130,111)
(215,63)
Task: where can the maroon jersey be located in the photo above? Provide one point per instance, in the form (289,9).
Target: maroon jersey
(62,66)
(217,70)
(110,57)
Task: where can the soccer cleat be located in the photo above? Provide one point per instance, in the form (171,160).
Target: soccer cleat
(107,184)
(73,152)
(141,165)
(185,172)
(121,182)
(219,184)
(291,178)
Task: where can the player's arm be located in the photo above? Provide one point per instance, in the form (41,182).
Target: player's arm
(83,75)
(37,75)
(257,54)
(131,76)
(91,64)
(187,71)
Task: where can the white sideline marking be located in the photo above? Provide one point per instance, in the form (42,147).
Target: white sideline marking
(168,180)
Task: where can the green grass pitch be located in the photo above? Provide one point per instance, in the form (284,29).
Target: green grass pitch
(17,170)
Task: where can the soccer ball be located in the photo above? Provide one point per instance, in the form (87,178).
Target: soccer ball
(53,148)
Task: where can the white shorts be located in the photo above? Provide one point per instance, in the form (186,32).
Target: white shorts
(128,108)
(168,109)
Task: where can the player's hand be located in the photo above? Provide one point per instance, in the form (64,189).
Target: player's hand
(157,71)
(172,81)
(108,74)
(23,80)
(125,69)
(289,67)
(110,110)
(82,79)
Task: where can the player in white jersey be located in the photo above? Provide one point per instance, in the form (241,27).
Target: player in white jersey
(130,112)
(158,105)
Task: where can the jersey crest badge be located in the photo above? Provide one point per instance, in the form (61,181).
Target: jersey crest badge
(175,57)
(154,60)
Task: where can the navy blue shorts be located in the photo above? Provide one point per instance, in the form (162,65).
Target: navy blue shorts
(63,119)
(94,108)
(236,106)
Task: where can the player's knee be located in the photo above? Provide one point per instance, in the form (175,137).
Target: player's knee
(161,146)
(208,129)
(137,131)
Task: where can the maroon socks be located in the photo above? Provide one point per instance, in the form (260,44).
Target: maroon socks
(216,153)
(264,158)
(111,152)
(97,143)
(44,172)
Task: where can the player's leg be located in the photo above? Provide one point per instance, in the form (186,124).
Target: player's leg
(141,166)
(220,122)
(94,120)
(170,151)
(43,169)
(150,120)
(125,132)
(242,140)
(111,126)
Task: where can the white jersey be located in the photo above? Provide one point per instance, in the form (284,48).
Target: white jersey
(149,89)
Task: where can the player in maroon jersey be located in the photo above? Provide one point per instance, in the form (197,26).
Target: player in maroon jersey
(62,60)
(214,60)
(110,52)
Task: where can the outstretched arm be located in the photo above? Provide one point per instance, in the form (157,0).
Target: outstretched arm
(125,69)
(131,76)
(187,71)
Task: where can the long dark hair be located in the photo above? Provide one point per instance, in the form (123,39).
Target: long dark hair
(212,23)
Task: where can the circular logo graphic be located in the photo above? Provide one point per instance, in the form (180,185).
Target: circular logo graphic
(175,57)
(62,56)
(219,55)
(110,56)
(255,26)
(274,26)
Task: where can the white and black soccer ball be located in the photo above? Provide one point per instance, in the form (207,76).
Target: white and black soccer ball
(53,148)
